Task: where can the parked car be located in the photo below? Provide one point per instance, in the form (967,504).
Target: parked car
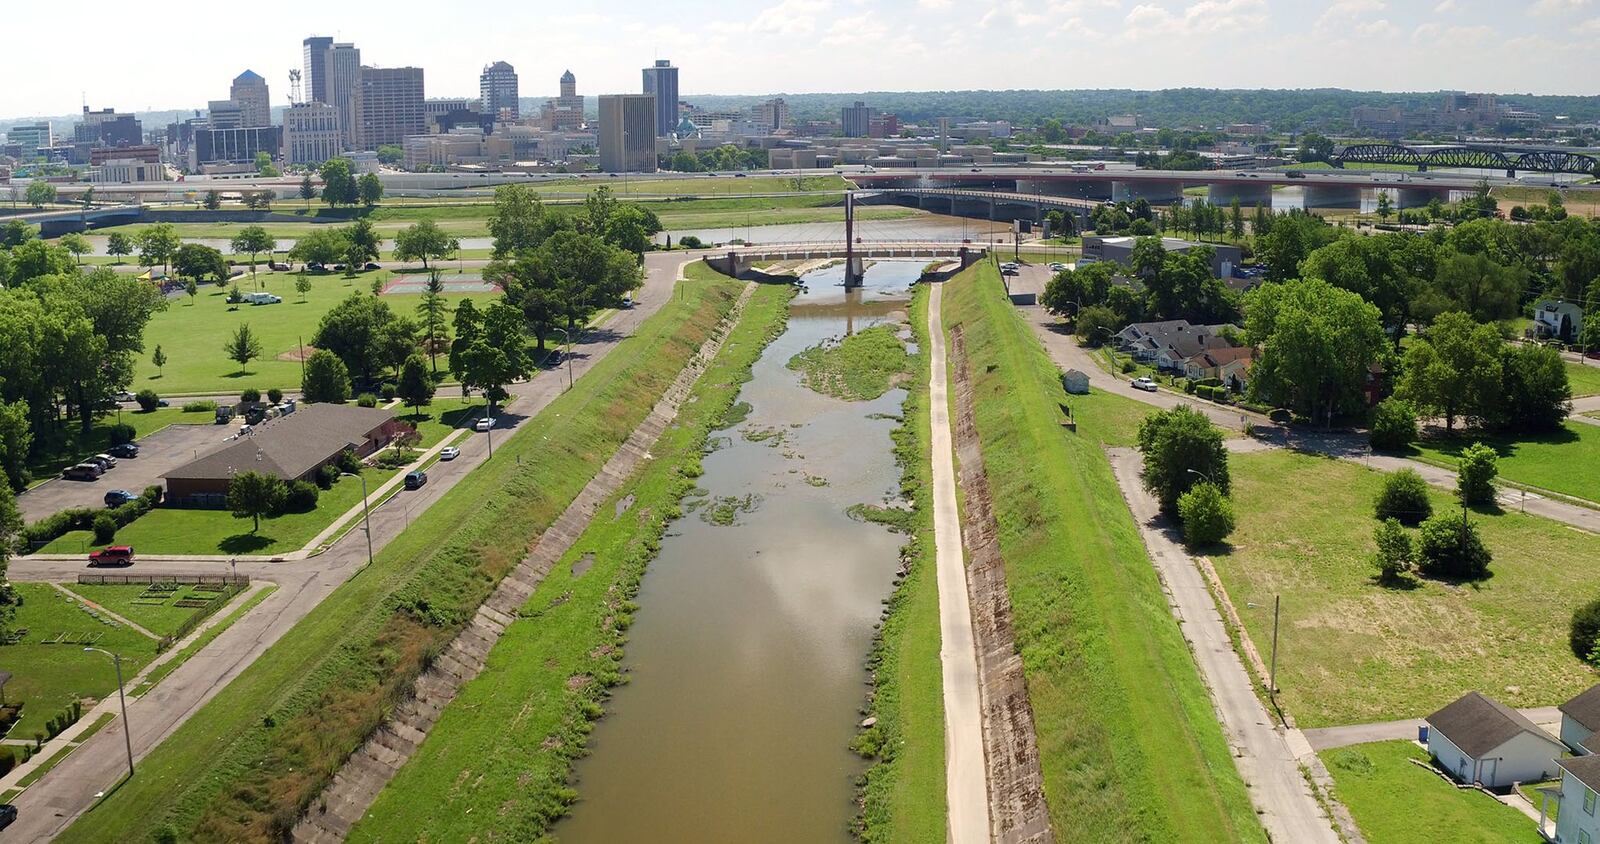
(124,450)
(114,555)
(83,472)
(415,480)
(371,265)
(1009,271)
(119,497)
(8,815)
(282,268)
(125,396)
(106,461)
(483,424)
(1144,383)
(449,452)
(1057,266)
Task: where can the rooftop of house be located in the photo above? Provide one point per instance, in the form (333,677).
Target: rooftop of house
(290,445)
(1585,708)
(1477,724)
(1585,769)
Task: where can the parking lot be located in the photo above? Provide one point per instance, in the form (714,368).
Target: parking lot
(160,452)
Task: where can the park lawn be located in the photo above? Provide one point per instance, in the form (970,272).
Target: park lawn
(1567,462)
(435,420)
(1351,651)
(1129,742)
(225,773)
(48,678)
(1395,802)
(171,530)
(157,612)
(1585,379)
(192,332)
(903,792)
(49,463)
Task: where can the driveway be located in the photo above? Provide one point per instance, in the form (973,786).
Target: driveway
(159,453)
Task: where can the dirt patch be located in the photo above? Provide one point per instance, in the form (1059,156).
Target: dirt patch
(297,354)
(583,564)
(1017,811)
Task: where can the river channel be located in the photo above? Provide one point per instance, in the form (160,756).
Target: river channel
(746,657)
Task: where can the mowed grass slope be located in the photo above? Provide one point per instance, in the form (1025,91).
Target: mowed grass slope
(247,763)
(1566,461)
(1351,651)
(1396,802)
(1129,742)
(496,764)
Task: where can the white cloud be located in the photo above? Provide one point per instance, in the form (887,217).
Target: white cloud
(1446,7)
(790,17)
(1344,14)
(1557,7)
(1206,16)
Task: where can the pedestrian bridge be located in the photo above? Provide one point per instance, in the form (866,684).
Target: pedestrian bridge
(737,261)
(57,223)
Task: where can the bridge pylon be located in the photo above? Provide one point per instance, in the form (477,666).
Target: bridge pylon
(854,268)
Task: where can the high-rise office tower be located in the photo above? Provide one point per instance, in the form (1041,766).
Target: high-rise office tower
(250,92)
(773,114)
(314,66)
(344,69)
(497,91)
(387,104)
(628,133)
(856,120)
(661,81)
(569,86)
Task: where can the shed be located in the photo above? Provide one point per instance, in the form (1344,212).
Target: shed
(1076,382)
(1479,740)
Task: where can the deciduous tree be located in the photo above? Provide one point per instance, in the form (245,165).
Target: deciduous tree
(326,379)
(252,495)
(1181,448)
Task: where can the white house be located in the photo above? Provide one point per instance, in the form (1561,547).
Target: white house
(1557,319)
(1480,740)
(1576,821)
(1580,720)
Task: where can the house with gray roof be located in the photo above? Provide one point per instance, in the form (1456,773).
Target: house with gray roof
(1479,740)
(1580,720)
(292,447)
(1578,802)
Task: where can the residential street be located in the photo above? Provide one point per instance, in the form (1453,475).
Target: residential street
(1323,738)
(71,787)
(966,780)
(1270,769)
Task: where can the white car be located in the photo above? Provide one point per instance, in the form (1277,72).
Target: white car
(449,452)
(483,424)
(1143,383)
(1057,266)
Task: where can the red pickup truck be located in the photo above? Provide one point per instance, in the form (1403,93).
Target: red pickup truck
(115,555)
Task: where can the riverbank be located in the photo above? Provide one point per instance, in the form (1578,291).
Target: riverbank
(528,715)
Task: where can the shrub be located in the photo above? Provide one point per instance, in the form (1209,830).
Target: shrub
(275,395)
(121,433)
(1396,555)
(387,391)
(301,498)
(8,760)
(1450,547)
(1584,634)
(250,395)
(200,406)
(105,528)
(348,461)
(147,399)
(1189,387)
(1128,367)
(1207,515)
(1404,498)
(689,241)
(394,458)
(327,476)
(367,400)
(1394,425)
(1476,474)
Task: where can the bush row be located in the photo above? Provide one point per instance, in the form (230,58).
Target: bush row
(87,518)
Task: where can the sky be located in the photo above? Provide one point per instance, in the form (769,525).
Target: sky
(179,55)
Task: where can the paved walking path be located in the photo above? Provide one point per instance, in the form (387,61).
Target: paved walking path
(966,783)
(1267,763)
(1324,738)
(71,788)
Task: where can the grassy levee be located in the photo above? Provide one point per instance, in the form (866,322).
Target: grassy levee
(1129,742)
(247,764)
(496,765)
(902,793)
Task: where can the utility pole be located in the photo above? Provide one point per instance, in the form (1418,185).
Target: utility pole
(1272,673)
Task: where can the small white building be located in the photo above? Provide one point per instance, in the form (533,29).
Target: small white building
(1576,818)
(1480,740)
(1580,720)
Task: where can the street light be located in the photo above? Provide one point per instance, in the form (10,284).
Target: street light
(127,731)
(366,511)
(1203,475)
(567,339)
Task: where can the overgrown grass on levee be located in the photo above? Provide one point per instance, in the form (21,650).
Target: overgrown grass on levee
(902,796)
(252,759)
(1129,743)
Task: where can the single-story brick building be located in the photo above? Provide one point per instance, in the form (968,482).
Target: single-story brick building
(293,447)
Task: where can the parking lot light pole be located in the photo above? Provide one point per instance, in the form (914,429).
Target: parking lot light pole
(366,511)
(127,731)
(567,341)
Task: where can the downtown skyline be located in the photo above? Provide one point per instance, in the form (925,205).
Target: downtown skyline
(811,46)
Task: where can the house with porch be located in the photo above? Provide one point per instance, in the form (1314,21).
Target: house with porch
(1230,365)
(1577,815)
(1557,319)
(1481,741)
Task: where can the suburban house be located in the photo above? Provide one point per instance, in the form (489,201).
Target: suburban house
(1120,250)
(1479,740)
(1576,814)
(292,447)
(1231,366)
(1556,319)
(1580,720)
(1169,343)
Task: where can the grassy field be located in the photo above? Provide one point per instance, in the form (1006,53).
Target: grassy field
(161,671)
(1585,380)
(903,791)
(47,678)
(861,367)
(1396,802)
(496,765)
(49,462)
(1567,462)
(170,530)
(191,332)
(262,749)
(1351,651)
(1129,742)
(156,612)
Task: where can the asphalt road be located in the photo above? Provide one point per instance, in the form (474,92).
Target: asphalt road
(70,788)
(966,774)
(166,449)
(1548,718)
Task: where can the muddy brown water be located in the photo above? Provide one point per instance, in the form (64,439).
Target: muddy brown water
(746,657)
